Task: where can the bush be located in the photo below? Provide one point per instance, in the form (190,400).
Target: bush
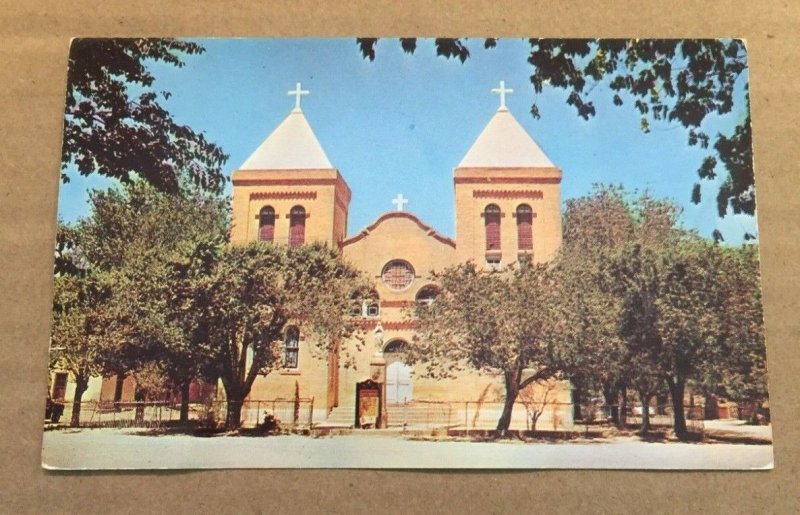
(271,425)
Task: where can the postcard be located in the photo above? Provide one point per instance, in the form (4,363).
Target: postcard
(407,253)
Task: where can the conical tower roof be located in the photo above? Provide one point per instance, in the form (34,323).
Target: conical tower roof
(291,146)
(504,143)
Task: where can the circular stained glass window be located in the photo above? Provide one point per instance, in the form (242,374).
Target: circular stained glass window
(397,274)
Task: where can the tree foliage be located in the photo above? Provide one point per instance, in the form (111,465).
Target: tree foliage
(250,293)
(114,124)
(84,329)
(663,80)
(647,304)
(491,322)
(136,239)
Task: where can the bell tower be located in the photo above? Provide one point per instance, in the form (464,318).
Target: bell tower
(287,191)
(507,196)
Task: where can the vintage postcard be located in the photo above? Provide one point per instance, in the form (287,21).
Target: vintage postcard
(407,253)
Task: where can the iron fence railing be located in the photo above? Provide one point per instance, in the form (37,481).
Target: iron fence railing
(476,415)
(549,416)
(290,413)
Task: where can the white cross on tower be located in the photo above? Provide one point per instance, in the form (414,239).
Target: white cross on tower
(399,201)
(502,90)
(297,92)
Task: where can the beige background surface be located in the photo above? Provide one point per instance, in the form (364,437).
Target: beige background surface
(33,53)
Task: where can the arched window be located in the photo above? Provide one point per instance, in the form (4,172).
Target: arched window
(524,227)
(427,294)
(266,224)
(291,347)
(297,226)
(395,347)
(492,220)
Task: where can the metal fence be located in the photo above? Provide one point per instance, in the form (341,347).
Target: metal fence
(551,416)
(289,413)
(660,416)
(477,415)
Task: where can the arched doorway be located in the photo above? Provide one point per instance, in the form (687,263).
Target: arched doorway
(399,386)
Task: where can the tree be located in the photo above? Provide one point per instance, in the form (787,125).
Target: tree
(153,240)
(742,374)
(590,350)
(114,124)
(665,81)
(250,295)
(490,322)
(83,320)
(709,316)
(609,281)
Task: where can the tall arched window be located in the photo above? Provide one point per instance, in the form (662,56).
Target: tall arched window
(524,227)
(297,226)
(291,347)
(492,219)
(266,224)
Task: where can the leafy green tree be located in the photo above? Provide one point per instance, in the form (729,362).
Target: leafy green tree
(151,239)
(83,324)
(607,339)
(490,322)
(591,352)
(709,316)
(115,126)
(664,80)
(743,376)
(249,296)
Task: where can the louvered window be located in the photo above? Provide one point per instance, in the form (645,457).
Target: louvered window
(524,227)
(297,226)
(266,225)
(492,220)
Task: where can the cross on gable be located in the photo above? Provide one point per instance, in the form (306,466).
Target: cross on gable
(502,90)
(399,201)
(297,92)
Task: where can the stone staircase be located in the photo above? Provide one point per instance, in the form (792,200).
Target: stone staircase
(411,415)
(340,416)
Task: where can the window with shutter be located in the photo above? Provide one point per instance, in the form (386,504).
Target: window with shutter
(266,224)
(525,227)
(297,226)
(492,219)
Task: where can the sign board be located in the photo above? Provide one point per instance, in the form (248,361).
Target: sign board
(368,404)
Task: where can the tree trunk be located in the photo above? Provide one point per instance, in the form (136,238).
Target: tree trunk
(623,407)
(236,395)
(576,404)
(676,391)
(512,390)
(644,398)
(81,384)
(139,397)
(611,403)
(185,402)
(233,416)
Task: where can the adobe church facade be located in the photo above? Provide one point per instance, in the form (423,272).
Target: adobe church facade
(507,204)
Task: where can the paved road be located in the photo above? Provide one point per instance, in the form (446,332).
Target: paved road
(114,448)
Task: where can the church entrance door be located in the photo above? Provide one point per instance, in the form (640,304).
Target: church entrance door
(398,383)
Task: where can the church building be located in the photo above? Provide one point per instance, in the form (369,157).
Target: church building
(507,205)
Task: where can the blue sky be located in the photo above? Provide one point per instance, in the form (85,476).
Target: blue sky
(401,123)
